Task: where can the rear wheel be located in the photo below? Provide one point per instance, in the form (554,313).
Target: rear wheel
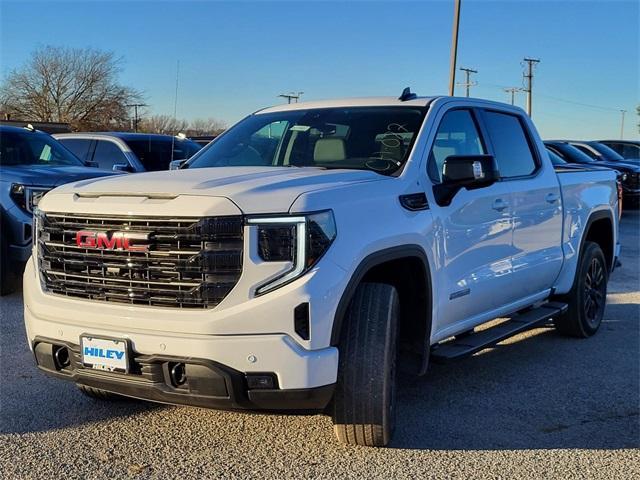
(588,295)
(98,394)
(363,404)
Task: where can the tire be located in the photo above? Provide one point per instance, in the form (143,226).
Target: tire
(588,295)
(363,403)
(98,394)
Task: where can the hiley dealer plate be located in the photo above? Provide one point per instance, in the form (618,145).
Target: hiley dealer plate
(104,353)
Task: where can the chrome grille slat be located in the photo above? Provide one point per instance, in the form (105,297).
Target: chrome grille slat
(191,262)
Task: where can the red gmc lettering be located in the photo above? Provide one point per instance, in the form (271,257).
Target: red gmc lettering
(117,241)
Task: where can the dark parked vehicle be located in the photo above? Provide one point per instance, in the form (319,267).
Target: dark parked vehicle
(599,151)
(559,164)
(129,152)
(31,163)
(628,149)
(630,172)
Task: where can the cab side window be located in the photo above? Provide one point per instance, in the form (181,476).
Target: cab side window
(108,154)
(510,144)
(457,135)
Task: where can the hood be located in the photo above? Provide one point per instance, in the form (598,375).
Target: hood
(42,176)
(625,166)
(252,189)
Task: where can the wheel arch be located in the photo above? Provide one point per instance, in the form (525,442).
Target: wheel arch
(406,267)
(600,229)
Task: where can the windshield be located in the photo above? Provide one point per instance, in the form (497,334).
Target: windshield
(371,138)
(606,152)
(33,148)
(155,153)
(574,154)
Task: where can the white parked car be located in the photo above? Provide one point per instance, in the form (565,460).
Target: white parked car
(298,258)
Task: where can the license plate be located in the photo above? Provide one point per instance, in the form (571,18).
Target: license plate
(107,354)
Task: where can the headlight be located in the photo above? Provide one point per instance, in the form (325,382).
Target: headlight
(27,197)
(300,240)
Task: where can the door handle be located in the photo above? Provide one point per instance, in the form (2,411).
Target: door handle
(552,197)
(499,204)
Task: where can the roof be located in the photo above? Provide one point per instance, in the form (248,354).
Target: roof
(628,142)
(121,135)
(351,102)
(11,128)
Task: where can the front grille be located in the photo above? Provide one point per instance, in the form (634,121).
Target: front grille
(190,262)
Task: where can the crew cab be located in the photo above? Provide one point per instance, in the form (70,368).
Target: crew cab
(300,257)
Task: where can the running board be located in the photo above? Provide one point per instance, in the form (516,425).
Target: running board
(474,342)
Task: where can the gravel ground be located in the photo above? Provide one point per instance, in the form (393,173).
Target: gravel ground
(538,406)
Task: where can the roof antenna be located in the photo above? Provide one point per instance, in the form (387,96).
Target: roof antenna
(407,95)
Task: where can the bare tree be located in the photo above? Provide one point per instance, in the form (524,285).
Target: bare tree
(165,124)
(208,126)
(76,86)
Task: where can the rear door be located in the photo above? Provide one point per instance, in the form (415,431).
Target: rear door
(536,202)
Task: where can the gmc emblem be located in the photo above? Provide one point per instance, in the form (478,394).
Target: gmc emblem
(113,240)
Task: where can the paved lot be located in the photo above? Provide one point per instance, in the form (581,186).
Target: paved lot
(539,406)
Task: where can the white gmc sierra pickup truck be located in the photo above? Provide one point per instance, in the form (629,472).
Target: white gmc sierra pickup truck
(296,260)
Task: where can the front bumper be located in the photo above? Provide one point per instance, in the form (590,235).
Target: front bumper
(256,337)
(208,384)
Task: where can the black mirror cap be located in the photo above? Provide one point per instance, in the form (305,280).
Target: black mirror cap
(470,171)
(465,171)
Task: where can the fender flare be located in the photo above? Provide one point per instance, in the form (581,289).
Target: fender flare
(378,258)
(594,217)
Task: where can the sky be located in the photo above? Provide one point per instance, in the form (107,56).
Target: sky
(236,57)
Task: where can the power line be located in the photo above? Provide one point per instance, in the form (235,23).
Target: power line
(468,83)
(573,102)
(529,82)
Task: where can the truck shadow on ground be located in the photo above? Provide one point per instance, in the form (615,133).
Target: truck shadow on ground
(544,391)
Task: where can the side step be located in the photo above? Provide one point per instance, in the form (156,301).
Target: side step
(473,343)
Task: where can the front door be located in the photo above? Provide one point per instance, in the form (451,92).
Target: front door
(473,234)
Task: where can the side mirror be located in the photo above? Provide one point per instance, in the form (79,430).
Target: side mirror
(465,171)
(121,167)
(177,164)
(91,163)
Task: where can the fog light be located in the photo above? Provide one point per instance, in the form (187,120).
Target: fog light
(261,381)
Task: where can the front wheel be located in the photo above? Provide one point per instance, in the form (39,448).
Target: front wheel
(363,404)
(588,295)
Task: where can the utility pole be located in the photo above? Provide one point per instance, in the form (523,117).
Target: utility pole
(529,81)
(622,125)
(468,83)
(454,47)
(513,91)
(291,96)
(135,114)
